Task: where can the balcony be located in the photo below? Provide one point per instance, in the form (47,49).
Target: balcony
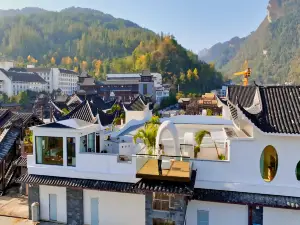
(173,168)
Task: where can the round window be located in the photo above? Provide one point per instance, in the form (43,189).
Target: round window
(268,163)
(298,171)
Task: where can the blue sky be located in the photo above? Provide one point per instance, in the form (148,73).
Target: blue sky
(196,24)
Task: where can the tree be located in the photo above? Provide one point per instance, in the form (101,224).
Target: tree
(189,75)
(209,112)
(52,61)
(179,95)
(24,99)
(199,138)
(153,121)
(148,136)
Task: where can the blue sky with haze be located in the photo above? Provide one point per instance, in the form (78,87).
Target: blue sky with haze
(196,24)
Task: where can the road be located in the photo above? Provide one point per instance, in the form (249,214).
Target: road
(18,221)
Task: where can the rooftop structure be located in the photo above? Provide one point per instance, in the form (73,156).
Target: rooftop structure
(246,160)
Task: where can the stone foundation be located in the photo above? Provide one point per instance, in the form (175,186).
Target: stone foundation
(33,196)
(177,214)
(74,206)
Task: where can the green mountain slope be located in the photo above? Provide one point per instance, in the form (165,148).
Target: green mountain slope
(74,31)
(273,50)
(221,53)
(99,43)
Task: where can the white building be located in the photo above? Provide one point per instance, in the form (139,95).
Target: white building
(6,64)
(246,172)
(12,83)
(63,79)
(161,93)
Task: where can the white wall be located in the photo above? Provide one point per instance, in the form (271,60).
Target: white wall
(88,165)
(273,216)
(45,191)
(7,84)
(242,172)
(115,208)
(219,213)
(137,115)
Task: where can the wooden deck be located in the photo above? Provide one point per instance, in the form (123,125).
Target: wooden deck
(179,171)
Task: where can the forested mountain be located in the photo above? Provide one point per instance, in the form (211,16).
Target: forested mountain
(221,53)
(87,39)
(273,50)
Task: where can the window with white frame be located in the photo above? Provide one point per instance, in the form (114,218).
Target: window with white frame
(163,202)
(202,217)
(87,143)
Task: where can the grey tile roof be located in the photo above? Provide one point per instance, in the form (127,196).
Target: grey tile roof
(182,188)
(8,141)
(82,111)
(68,72)
(101,185)
(242,95)
(21,161)
(118,82)
(24,77)
(106,118)
(280,110)
(136,105)
(18,69)
(15,116)
(39,70)
(243,198)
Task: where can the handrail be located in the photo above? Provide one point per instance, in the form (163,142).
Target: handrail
(186,157)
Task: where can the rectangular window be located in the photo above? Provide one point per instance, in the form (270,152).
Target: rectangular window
(49,150)
(145,91)
(71,149)
(97,143)
(91,142)
(202,217)
(83,143)
(163,202)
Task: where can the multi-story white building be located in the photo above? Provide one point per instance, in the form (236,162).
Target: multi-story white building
(66,80)
(12,83)
(246,172)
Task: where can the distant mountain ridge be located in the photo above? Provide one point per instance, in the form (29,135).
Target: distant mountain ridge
(221,53)
(24,11)
(272,51)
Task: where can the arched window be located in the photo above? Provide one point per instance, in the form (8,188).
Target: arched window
(298,171)
(268,163)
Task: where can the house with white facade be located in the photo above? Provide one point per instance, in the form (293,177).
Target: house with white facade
(246,172)
(66,80)
(12,82)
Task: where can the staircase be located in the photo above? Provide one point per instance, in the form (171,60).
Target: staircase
(9,175)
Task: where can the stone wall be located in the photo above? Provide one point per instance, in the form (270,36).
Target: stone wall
(74,206)
(33,196)
(177,214)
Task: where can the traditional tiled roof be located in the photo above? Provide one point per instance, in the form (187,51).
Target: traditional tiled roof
(21,161)
(79,183)
(136,105)
(8,141)
(82,112)
(243,95)
(243,198)
(24,77)
(106,118)
(97,103)
(101,185)
(15,69)
(280,110)
(182,188)
(15,116)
